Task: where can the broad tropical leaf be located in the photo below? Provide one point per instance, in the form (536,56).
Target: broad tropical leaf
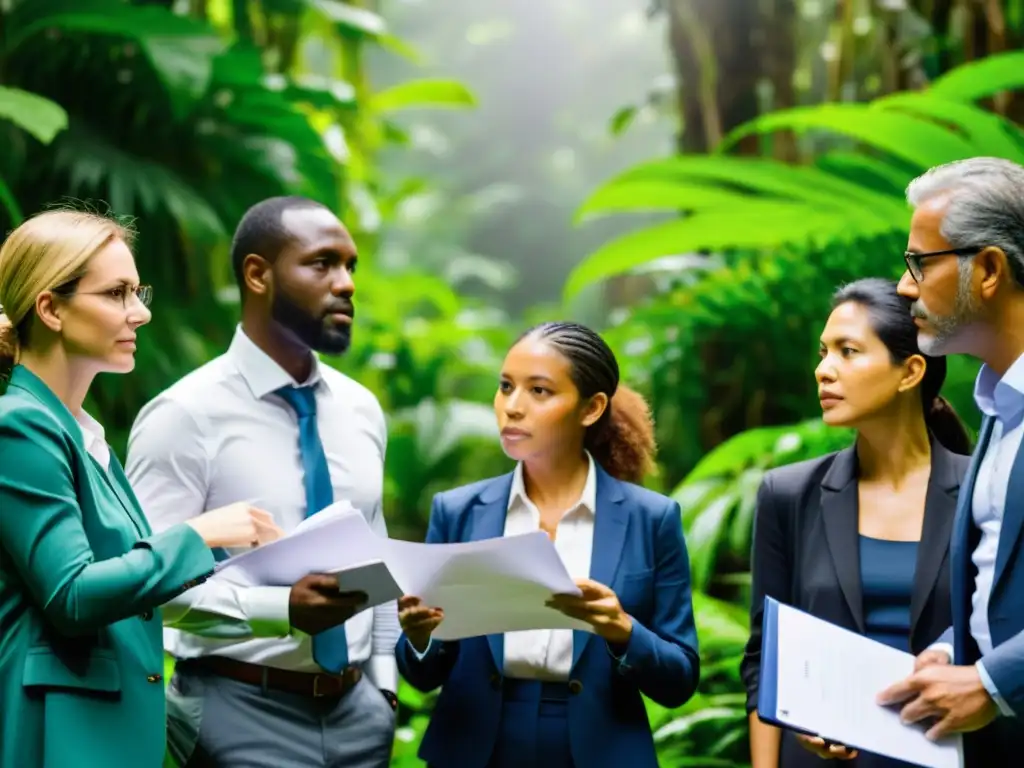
(918,142)
(846,196)
(179,48)
(38,116)
(982,78)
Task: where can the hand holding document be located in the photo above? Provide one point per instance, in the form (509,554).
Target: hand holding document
(483,587)
(822,680)
(487,587)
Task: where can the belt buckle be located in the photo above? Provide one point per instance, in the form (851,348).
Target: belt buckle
(317,693)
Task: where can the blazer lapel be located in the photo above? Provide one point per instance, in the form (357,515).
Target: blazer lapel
(29,382)
(488,522)
(939,511)
(839,513)
(610,523)
(118,483)
(960,581)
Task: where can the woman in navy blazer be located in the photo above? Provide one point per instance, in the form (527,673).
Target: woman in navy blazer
(559,698)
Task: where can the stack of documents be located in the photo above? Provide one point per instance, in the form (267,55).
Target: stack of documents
(821,679)
(484,587)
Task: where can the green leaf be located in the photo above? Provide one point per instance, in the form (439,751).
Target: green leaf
(865,172)
(997,135)
(757,176)
(656,195)
(919,142)
(179,48)
(621,120)
(761,224)
(982,78)
(423,93)
(39,116)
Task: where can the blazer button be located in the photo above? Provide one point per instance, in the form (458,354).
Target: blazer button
(154,678)
(147,616)
(575,687)
(495,681)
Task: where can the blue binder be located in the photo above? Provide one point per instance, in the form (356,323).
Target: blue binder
(768,682)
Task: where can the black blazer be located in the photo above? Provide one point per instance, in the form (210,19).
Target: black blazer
(806,554)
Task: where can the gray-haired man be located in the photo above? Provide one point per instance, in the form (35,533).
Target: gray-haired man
(965,275)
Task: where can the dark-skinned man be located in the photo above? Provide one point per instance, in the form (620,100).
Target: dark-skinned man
(272,676)
(965,276)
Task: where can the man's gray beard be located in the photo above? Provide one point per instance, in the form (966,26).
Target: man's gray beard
(946,330)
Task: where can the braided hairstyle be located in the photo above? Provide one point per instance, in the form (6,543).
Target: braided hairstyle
(622,439)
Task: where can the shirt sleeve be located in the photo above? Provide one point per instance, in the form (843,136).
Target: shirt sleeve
(168,467)
(382,668)
(990,686)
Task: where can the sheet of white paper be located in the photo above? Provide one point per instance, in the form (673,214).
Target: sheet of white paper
(333,539)
(827,681)
(489,586)
(371,578)
(485,587)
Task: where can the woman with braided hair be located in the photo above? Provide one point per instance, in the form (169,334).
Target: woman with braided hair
(560,698)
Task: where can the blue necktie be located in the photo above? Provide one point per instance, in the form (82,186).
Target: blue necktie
(330,648)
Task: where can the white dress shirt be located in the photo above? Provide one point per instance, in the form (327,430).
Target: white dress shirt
(220,436)
(546,654)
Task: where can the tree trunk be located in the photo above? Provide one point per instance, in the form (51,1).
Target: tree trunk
(715,46)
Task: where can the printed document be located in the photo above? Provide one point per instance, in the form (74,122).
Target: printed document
(484,587)
(827,678)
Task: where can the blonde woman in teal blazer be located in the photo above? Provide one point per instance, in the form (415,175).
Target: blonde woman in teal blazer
(81,575)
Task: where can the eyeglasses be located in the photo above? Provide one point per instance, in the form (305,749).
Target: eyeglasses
(144,293)
(914,259)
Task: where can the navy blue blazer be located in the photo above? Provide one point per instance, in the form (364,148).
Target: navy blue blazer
(1005,663)
(640,553)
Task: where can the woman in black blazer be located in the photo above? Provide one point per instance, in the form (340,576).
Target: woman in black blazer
(860,537)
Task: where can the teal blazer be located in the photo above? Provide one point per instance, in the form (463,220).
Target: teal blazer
(81,579)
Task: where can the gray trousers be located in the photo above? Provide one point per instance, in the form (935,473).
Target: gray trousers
(215,722)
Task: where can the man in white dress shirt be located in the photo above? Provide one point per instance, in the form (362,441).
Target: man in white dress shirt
(275,676)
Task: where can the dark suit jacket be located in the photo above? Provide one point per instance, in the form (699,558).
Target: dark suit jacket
(639,552)
(1005,662)
(806,554)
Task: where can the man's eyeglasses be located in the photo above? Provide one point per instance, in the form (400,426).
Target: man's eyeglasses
(144,293)
(914,259)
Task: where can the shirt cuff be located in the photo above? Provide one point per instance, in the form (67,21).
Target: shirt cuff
(383,672)
(990,686)
(266,610)
(420,656)
(945,648)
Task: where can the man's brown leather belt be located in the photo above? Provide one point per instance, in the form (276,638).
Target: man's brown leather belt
(314,685)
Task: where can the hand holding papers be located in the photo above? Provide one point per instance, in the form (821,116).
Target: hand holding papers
(483,587)
(822,680)
(486,587)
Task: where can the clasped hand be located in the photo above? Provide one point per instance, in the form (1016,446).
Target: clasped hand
(953,697)
(598,606)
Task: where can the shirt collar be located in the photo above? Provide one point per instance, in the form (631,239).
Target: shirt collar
(1002,397)
(93,435)
(261,373)
(588,499)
